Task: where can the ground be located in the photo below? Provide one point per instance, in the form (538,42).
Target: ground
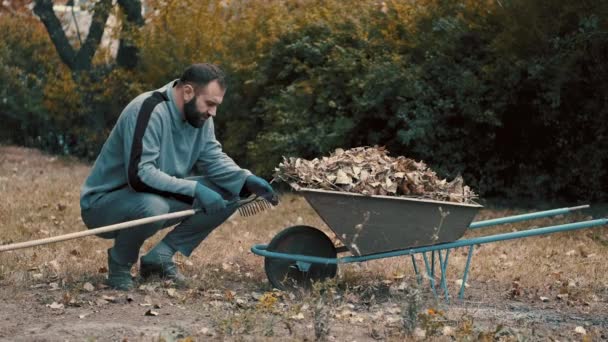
(544,288)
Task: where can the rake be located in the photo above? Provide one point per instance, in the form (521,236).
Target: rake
(246,207)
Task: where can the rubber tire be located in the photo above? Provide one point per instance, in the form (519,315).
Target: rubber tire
(284,274)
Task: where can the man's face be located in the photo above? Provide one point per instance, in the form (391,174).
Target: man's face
(203,105)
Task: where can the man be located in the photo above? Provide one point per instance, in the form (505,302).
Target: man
(160,138)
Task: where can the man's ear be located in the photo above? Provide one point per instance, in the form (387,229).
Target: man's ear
(188,92)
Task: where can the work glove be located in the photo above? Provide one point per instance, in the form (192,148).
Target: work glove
(210,201)
(260,187)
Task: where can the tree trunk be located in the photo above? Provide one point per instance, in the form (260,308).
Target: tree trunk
(127,56)
(81,60)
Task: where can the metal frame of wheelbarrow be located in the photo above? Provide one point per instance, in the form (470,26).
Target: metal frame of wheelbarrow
(304,262)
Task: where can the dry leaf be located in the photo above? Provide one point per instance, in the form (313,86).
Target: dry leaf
(55,306)
(447,331)
(110,299)
(459,283)
(151,313)
(298,317)
(101,302)
(54,265)
(88,287)
(342,178)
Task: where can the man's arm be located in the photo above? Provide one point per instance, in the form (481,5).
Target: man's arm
(142,137)
(218,167)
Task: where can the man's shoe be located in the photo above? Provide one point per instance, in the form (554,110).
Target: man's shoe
(165,269)
(119,275)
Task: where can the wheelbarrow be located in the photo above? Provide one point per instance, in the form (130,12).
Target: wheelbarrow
(376,227)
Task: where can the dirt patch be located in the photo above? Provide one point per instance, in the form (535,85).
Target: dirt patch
(246,310)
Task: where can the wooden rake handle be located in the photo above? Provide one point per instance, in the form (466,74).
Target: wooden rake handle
(104,229)
(123,225)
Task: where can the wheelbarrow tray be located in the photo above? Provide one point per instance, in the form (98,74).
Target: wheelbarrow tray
(376,224)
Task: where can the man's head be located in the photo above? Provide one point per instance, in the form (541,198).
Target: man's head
(203,89)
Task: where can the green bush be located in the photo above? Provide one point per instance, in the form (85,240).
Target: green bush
(469,89)
(508,96)
(26,58)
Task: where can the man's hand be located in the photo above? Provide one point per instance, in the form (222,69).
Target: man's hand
(260,187)
(209,200)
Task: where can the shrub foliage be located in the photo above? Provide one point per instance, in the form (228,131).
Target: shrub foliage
(509,97)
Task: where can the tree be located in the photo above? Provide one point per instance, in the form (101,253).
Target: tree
(81,59)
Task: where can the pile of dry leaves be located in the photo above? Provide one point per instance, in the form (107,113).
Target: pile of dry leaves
(371,171)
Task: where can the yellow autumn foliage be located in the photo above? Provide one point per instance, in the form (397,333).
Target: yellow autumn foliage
(62,99)
(236,34)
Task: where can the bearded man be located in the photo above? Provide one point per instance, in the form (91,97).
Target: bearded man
(162,156)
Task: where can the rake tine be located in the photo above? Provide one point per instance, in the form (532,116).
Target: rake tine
(253,207)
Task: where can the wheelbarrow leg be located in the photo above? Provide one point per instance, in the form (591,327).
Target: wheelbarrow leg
(443,263)
(433,264)
(429,273)
(418,277)
(466,272)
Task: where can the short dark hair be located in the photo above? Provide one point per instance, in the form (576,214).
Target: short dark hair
(202,74)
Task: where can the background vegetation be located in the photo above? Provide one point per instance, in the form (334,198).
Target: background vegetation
(511,94)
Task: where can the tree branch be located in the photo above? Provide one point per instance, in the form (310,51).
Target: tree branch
(101,11)
(44,10)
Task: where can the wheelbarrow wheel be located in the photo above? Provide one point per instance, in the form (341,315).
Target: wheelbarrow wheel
(287,275)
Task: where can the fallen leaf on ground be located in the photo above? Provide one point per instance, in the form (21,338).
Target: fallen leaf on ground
(298,317)
(54,265)
(88,287)
(459,283)
(109,298)
(151,313)
(55,306)
(101,302)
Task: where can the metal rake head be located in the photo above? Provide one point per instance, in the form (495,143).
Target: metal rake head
(254,206)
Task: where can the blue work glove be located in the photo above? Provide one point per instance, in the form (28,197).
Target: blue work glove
(210,201)
(260,187)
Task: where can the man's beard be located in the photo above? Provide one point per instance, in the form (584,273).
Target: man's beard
(195,118)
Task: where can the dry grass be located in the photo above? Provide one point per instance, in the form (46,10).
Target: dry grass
(40,196)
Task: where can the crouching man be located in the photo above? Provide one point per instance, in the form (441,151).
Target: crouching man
(145,168)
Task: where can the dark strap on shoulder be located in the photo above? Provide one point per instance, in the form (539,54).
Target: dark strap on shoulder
(143,119)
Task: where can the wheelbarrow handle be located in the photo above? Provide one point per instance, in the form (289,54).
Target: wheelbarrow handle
(115,227)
